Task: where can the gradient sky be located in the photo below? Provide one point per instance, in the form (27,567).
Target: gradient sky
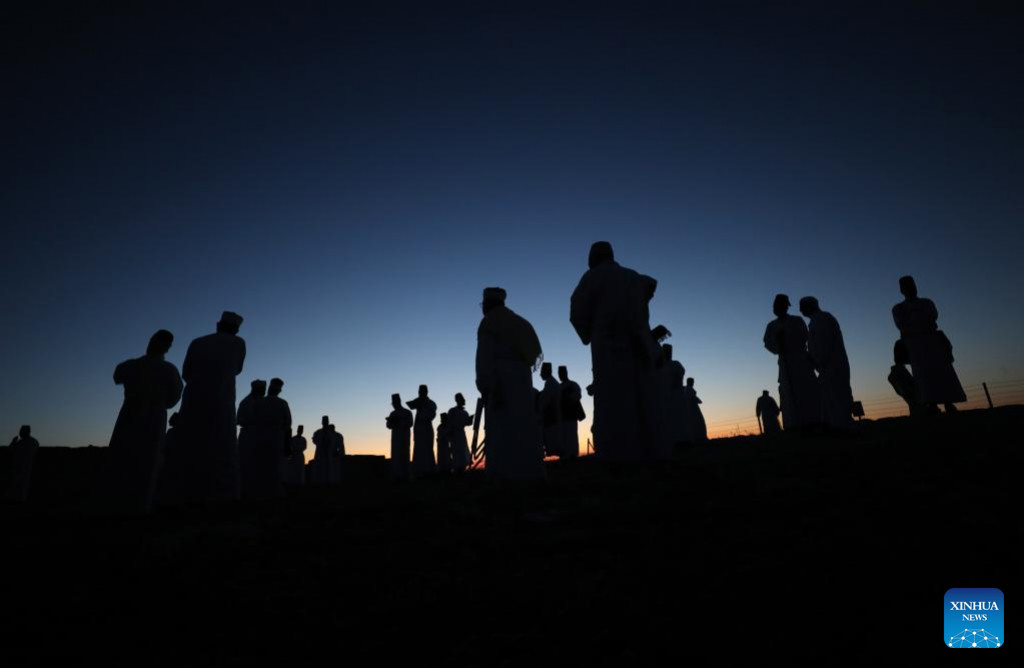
(349,181)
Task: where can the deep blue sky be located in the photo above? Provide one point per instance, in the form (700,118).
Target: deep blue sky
(350,180)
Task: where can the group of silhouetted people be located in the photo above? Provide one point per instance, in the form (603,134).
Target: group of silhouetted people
(644,406)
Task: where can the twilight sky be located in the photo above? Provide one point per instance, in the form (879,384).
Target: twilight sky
(349,180)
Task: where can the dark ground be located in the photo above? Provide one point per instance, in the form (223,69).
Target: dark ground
(742,550)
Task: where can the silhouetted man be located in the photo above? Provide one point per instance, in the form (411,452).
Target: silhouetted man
(675,405)
(550,408)
(572,414)
(337,454)
(400,423)
(458,420)
(324,443)
(23,454)
(208,411)
(786,336)
(694,415)
(930,352)
(270,445)
(423,433)
(247,412)
(507,352)
(444,446)
(151,386)
(767,412)
(609,310)
(828,353)
(296,464)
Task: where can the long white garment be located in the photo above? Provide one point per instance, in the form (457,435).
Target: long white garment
(786,336)
(512,440)
(608,309)
(272,433)
(827,350)
(400,424)
(931,354)
(209,444)
(550,408)
(337,457)
(695,416)
(458,420)
(151,386)
(768,411)
(423,436)
(571,408)
(295,467)
(321,465)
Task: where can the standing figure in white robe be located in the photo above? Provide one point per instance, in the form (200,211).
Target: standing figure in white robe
(209,441)
(247,431)
(767,412)
(23,455)
(400,424)
(550,408)
(423,433)
(572,414)
(694,415)
(270,443)
(151,386)
(458,420)
(296,462)
(444,446)
(507,352)
(324,444)
(930,352)
(609,312)
(678,425)
(828,353)
(337,465)
(786,336)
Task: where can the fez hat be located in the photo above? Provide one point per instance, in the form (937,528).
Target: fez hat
(494,295)
(230,318)
(808,303)
(545,367)
(562,367)
(423,388)
(459,398)
(396,397)
(599,252)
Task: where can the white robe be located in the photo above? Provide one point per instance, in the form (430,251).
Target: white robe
(295,466)
(209,443)
(512,443)
(272,433)
(608,309)
(678,424)
(827,350)
(931,354)
(423,436)
(786,336)
(571,396)
(321,464)
(458,420)
(550,409)
(768,411)
(400,424)
(694,416)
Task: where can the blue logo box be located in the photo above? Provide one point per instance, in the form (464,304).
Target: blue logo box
(973,618)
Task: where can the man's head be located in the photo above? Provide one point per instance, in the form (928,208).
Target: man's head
(808,306)
(423,392)
(396,400)
(908,288)
(160,343)
(563,373)
(444,418)
(545,370)
(780,305)
(493,297)
(275,386)
(459,399)
(689,381)
(25,431)
(331,428)
(229,323)
(258,387)
(600,252)
(324,421)
(299,430)
(764,393)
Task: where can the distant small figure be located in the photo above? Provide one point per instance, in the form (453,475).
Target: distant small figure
(209,441)
(550,409)
(786,336)
(610,313)
(444,446)
(324,444)
(930,352)
(400,423)
(458,420)
(768,414)
(270,444)
(572,414)
(295,466)
(828,354)
(23,454)
(507,353)
(247,414)
(337,455)
(151,386)
(694,415)
(903,381)
(423,433)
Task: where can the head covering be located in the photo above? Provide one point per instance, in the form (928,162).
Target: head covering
(545,368)
(808,304)
(781,301)
(908,285)
(600,251)
(563,369)
(396,397)
(276,384)
(160,342)
(459,399)
(423,389)
(230,318)
(494,296)
(258,383)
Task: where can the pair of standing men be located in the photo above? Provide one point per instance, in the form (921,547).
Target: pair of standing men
(453,450)
(264,440)
(809,400)
(330,452)
(560,411)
